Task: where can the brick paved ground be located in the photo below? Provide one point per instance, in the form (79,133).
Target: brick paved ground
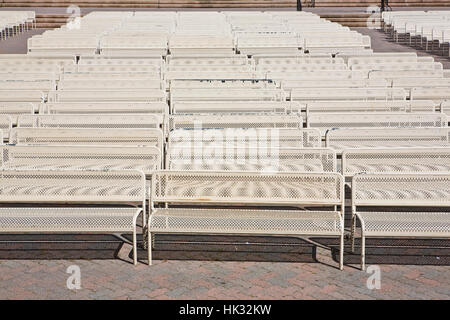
(241,269)
(34,267)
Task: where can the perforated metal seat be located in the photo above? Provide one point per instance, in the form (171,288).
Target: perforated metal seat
(236,221)
(65,220)
(406,224)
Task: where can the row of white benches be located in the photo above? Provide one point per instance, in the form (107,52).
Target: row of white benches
(196,140)
(122,194)
(426,30)
(438,95)
(235,158)
(322,121)
(161,109)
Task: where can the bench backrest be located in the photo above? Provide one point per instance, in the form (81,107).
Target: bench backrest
(144,95)
(109,84)
(252,159)
(110,76)
(209,61)
(204,75)
(216,84)
(234,107)
(248,187)
(206,121)
(145,159)
(102,60)
(57,136)
(227,94)
(327,121)
(431,190)
(393,74)
(398,66)
(44,85)
(112,69)
(370,106)
(301,67)
(21,96)
(72,186)
(318,94)
(343,83)
(245,138)
(341,139)
(14,109)
(395,160)
(132,121)
(30,68)
(436,94)
(157,108)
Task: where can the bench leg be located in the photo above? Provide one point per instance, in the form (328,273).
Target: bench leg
(149,248)
(341,253)
(353,231)
(134,246)
(363,251)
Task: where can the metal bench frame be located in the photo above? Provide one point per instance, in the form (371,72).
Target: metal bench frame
(56,187)
(399,190)
(176,194)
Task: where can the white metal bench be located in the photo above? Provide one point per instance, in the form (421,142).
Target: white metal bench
(401,193)
(123,193)
(395,160)
(341,139)
(200,188)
